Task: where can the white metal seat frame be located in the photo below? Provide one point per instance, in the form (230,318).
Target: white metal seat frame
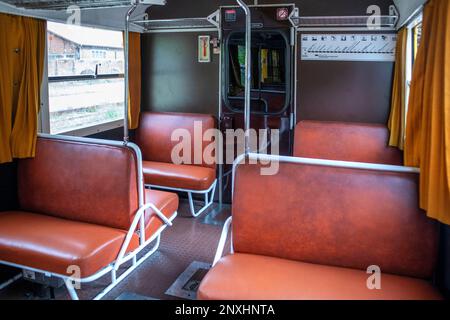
(208,196)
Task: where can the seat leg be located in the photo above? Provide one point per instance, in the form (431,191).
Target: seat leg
(70,288)
(10,281)
(208,201)
(129,270)
(191,205)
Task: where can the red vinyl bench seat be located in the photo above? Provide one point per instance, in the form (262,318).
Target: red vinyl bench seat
(345,141)
(154,137)
(78,201)
(319,230)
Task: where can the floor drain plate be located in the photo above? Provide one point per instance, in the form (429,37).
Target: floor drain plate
(187,283)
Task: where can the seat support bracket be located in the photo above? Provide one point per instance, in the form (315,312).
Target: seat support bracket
(208,196)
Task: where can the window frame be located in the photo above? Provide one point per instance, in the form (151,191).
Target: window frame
(44,114)
(410,52)
(226,75)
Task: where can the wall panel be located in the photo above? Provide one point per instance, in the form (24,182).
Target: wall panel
(173,79)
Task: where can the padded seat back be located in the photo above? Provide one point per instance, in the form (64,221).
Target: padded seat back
(80,181)
(345,142)
(155,132)
(334,216)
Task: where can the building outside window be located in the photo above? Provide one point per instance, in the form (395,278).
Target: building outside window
(85,77)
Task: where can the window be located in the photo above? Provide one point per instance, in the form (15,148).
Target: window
(416,37)
(270,72)
(413,42)
(85,77)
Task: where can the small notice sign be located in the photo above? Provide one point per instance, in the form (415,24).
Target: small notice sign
(204,49)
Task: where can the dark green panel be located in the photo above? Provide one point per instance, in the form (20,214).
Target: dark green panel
(172,78)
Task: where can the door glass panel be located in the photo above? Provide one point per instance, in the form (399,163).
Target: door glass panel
(269,72)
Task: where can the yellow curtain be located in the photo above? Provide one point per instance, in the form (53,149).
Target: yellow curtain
(427,142)
(397,118)
(134,67)
(22,53)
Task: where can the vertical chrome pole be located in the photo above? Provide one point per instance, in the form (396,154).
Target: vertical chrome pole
(248,72)
(127,73)
(221,151)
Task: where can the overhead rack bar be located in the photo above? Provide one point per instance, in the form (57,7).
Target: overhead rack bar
(174,24)
(385,21)
(211,22)
(82,4)
(344,21)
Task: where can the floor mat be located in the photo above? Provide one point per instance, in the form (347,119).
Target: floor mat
(186,285)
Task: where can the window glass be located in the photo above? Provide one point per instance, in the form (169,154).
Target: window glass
(85,69)
(269,70)
(416,37)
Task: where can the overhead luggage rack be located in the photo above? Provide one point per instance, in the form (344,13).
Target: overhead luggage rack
(189,23)
(324,22)
(82,4)
(205,23)
(343,21)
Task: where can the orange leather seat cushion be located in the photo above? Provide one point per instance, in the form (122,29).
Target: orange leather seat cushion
(252,277)
(53,244)
(166,202)
(178,176)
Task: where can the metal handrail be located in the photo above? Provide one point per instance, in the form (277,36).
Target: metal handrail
(248,72)
(127,72)
(319,162)
(58,5)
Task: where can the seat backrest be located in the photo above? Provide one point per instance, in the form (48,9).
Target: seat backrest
(334,216)
(80,181)
(345,142)
(155,132)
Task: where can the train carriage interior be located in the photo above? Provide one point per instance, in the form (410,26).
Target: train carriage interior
(225,150)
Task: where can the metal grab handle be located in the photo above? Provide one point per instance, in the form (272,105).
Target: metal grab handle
(126,50)
(248,72)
